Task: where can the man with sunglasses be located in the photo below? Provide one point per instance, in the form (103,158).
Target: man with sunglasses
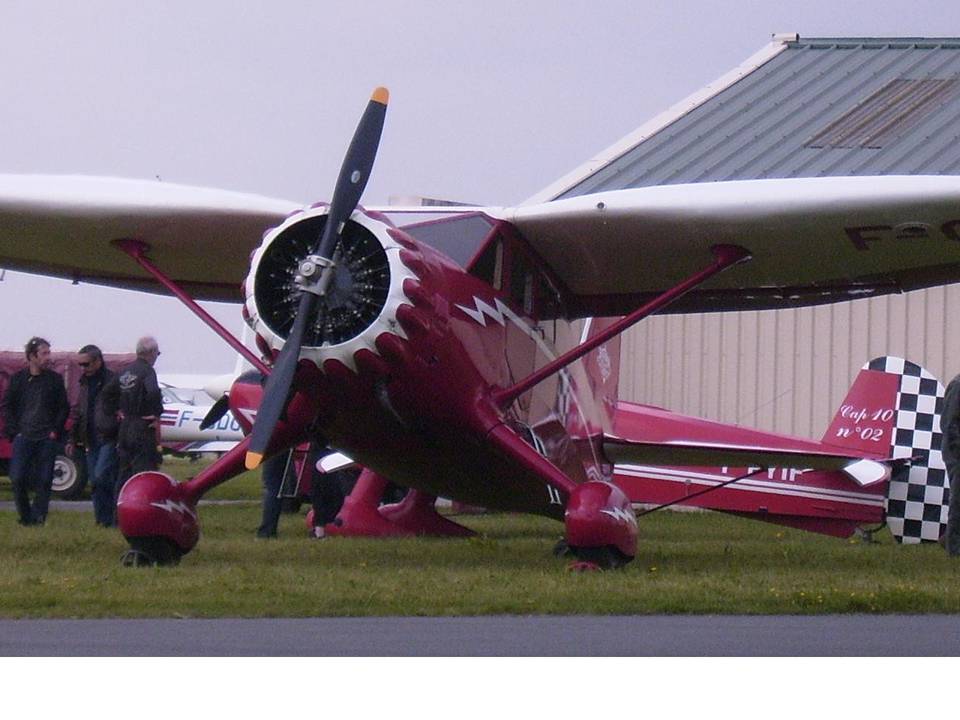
(94,435)
(35,410)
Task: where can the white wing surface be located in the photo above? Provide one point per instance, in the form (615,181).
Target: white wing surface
(813,240)
(64,226)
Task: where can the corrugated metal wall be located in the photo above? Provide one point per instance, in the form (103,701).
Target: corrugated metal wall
(784,370)
(773,121)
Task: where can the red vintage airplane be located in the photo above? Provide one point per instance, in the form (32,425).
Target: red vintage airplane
(473,353)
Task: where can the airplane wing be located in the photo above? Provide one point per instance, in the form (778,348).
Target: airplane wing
(64,225)
(813,240)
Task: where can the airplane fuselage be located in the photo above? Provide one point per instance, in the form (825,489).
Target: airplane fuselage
(422,412)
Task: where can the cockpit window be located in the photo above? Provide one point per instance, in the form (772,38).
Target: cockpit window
(459,238)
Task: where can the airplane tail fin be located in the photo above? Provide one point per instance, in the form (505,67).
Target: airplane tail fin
(893,411)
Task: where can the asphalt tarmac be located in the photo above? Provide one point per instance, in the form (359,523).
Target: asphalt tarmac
(568,636)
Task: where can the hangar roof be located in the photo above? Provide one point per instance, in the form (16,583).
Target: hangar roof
(799,108)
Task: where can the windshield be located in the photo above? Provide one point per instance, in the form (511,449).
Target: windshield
(459,236)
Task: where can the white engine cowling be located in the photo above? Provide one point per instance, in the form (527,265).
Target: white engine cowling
(360,304)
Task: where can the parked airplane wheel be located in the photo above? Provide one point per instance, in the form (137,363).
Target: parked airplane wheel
(150,551)
(606,557)
(67,480)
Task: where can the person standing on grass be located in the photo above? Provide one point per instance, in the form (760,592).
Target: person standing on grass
(274,471)
(134,396)
(35,410)
(328,490)
(86,434)
(950,450)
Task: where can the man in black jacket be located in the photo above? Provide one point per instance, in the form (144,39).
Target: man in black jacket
(35,410)
(134,395)
(99,447)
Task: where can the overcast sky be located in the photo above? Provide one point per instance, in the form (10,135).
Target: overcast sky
(490,102)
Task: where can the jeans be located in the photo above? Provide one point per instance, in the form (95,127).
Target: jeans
(31,467)
(272,476)
(102,474)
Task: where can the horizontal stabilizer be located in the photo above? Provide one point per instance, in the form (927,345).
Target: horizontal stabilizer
(673,453)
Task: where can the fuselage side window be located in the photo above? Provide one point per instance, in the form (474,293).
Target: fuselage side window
(521,283)
(489,266)
(528,307)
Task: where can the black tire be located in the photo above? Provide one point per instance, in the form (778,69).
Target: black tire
(68,480)
(607,557)
(151,551)
(290,504)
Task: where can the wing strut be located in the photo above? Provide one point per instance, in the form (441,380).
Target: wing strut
(724,256)
(137,250)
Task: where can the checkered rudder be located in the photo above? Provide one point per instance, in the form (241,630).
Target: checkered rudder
(919,493)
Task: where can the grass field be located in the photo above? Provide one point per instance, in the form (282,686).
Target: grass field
(687,563)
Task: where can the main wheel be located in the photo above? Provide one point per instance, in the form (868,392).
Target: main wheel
(67,479)
(606,557)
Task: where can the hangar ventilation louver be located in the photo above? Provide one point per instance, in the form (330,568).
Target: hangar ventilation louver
(887,114)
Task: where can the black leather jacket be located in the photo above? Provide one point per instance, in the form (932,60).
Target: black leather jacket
(49,414)
(134,392)
(84,429)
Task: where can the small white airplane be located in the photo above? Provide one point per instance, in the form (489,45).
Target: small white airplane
(188,399)
(184,408)
(180,429)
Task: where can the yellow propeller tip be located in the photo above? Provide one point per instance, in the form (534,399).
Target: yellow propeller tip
(380,95)
(252,460)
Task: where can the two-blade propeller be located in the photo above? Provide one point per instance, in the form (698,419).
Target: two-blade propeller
(317,269)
